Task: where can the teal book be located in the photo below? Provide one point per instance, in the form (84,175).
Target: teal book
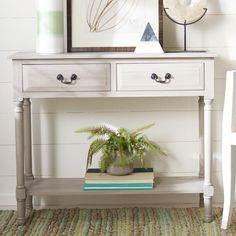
(119,186)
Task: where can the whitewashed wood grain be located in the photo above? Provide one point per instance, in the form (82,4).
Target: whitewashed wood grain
(91,77)
(190,200)
(121,201)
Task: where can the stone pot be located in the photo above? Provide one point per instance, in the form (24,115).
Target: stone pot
(114,169)
(120,170)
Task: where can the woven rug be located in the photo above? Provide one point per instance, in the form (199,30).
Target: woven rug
(120,222)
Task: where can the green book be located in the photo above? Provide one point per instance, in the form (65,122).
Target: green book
(119,186)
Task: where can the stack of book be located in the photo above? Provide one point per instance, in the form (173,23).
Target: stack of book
(140,179)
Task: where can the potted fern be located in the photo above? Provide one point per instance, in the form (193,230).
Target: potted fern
(119,148)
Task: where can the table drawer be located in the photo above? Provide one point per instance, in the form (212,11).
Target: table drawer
(86,77)
(153,77)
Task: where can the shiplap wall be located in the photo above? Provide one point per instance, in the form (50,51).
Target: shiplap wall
(59,151)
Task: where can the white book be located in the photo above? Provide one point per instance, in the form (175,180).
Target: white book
(92,181)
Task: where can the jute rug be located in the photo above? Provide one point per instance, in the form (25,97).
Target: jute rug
(120,222)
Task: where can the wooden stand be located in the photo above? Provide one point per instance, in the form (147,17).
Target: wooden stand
(111,75)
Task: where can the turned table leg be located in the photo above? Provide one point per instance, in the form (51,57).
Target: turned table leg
(201,144)
(20,183)
(28,147)
(208,187)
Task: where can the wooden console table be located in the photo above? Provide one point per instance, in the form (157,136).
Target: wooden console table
(111,75)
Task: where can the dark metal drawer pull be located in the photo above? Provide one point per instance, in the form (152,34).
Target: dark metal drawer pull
(158,79)
(61,78)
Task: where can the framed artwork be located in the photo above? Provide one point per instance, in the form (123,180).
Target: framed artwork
(111,25)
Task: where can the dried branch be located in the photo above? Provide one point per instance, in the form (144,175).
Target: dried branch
(99,13)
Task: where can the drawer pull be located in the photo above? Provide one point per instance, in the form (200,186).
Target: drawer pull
(158,79)
(154,76)
(73,77)
(60,77)
(168,76)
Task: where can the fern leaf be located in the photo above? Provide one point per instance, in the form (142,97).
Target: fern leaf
(95,147)
(105,161)
(138,130)
(97,131)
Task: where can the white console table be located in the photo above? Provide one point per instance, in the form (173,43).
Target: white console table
(111,75)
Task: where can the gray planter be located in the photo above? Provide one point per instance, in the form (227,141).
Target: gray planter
(118,170)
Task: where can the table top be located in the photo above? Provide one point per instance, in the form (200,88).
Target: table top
(111,55)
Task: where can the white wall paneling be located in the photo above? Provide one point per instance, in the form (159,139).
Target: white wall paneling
(212,31)
(8,166)
(17,9)
(6,66)
(51,128)
(6,91)
(225,60)
(17,34)
(7,184)
(7,127)
(69,160)
(221,7)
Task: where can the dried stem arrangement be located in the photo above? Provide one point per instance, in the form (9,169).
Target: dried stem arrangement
(103,15)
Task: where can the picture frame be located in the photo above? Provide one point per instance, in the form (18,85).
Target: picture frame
(96,26)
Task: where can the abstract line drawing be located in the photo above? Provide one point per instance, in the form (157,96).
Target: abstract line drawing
(104,15)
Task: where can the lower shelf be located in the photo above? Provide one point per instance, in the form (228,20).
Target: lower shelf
(74,186)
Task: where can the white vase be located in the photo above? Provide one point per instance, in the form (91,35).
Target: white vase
(50,26)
